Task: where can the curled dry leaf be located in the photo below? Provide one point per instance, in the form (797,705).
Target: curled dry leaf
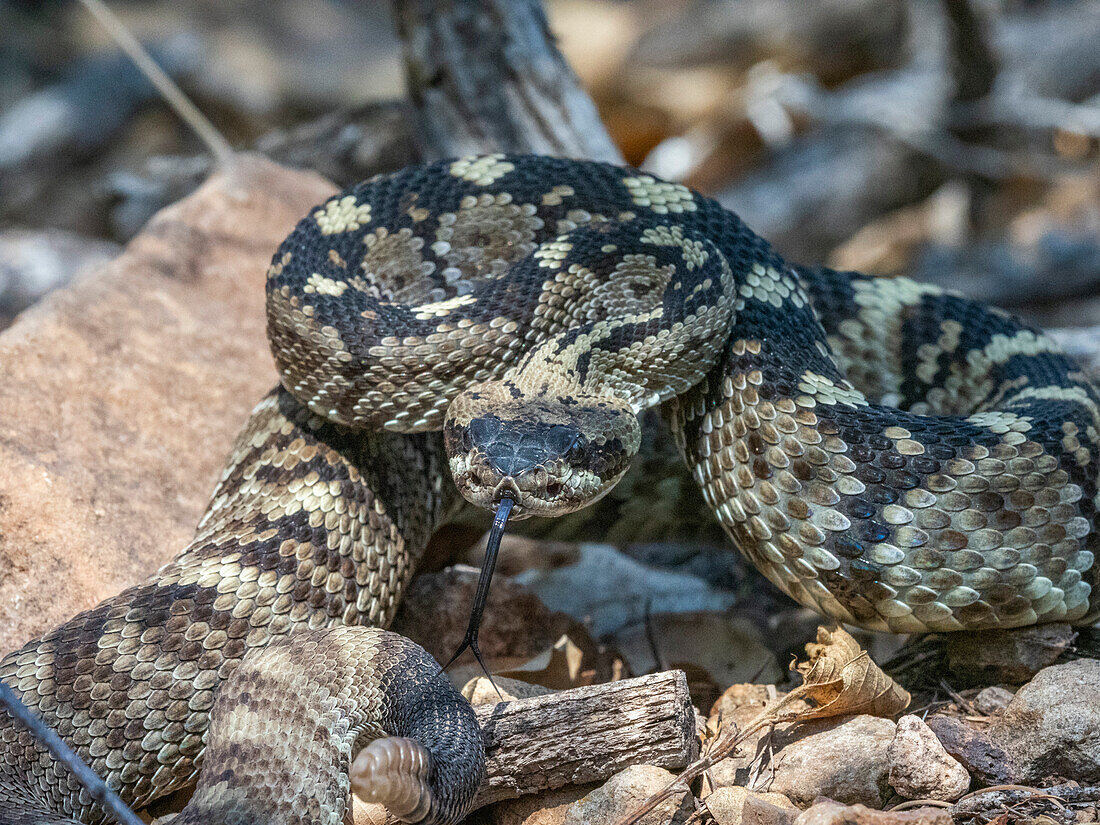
(841,679)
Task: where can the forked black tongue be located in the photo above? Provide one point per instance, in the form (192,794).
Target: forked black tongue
(481,596)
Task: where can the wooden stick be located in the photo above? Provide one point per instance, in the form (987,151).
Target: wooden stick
(485,76)
(188,112)
(586,734)
(996,799)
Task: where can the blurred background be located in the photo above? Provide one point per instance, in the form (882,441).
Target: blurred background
(952,140)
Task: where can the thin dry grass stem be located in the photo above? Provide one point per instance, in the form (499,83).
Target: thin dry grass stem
(920,803)
(725,743)
(189,113)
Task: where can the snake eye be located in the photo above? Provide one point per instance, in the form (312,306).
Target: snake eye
(575,454)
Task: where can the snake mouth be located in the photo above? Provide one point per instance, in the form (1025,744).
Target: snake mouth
(546,490)
(542,490)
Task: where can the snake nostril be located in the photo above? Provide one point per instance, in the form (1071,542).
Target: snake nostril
(553,487)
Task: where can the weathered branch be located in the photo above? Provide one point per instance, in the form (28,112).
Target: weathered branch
(973,67)
(817,192)
(586,734)
(486,76)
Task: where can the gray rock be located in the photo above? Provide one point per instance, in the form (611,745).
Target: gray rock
(992,700)
(608,590)
(1008,656)
(623,792)
(740,806)
(919,766)
(1052,725)
(844,759)
(34,262)
(828,812)
(969,742)
(759,811)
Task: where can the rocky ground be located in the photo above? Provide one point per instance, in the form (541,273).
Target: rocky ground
(955,142)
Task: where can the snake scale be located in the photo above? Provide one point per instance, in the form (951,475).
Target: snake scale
(887,453)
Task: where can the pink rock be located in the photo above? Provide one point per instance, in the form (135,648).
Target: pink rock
(120,396)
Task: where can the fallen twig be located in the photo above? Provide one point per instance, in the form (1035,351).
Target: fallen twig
(586,734)
(997,798)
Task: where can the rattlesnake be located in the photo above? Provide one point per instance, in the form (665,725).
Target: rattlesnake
(890,454)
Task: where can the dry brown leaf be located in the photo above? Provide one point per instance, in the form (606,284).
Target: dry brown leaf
(367,813)
(841,679)
(558,667)
(717,648)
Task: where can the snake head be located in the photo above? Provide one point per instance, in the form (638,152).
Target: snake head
(550,455)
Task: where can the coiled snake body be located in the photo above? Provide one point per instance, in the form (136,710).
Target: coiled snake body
(887,453)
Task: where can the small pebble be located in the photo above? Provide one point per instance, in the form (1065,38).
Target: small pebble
(992,700)
(920,768)
(623,792)
(740,806)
